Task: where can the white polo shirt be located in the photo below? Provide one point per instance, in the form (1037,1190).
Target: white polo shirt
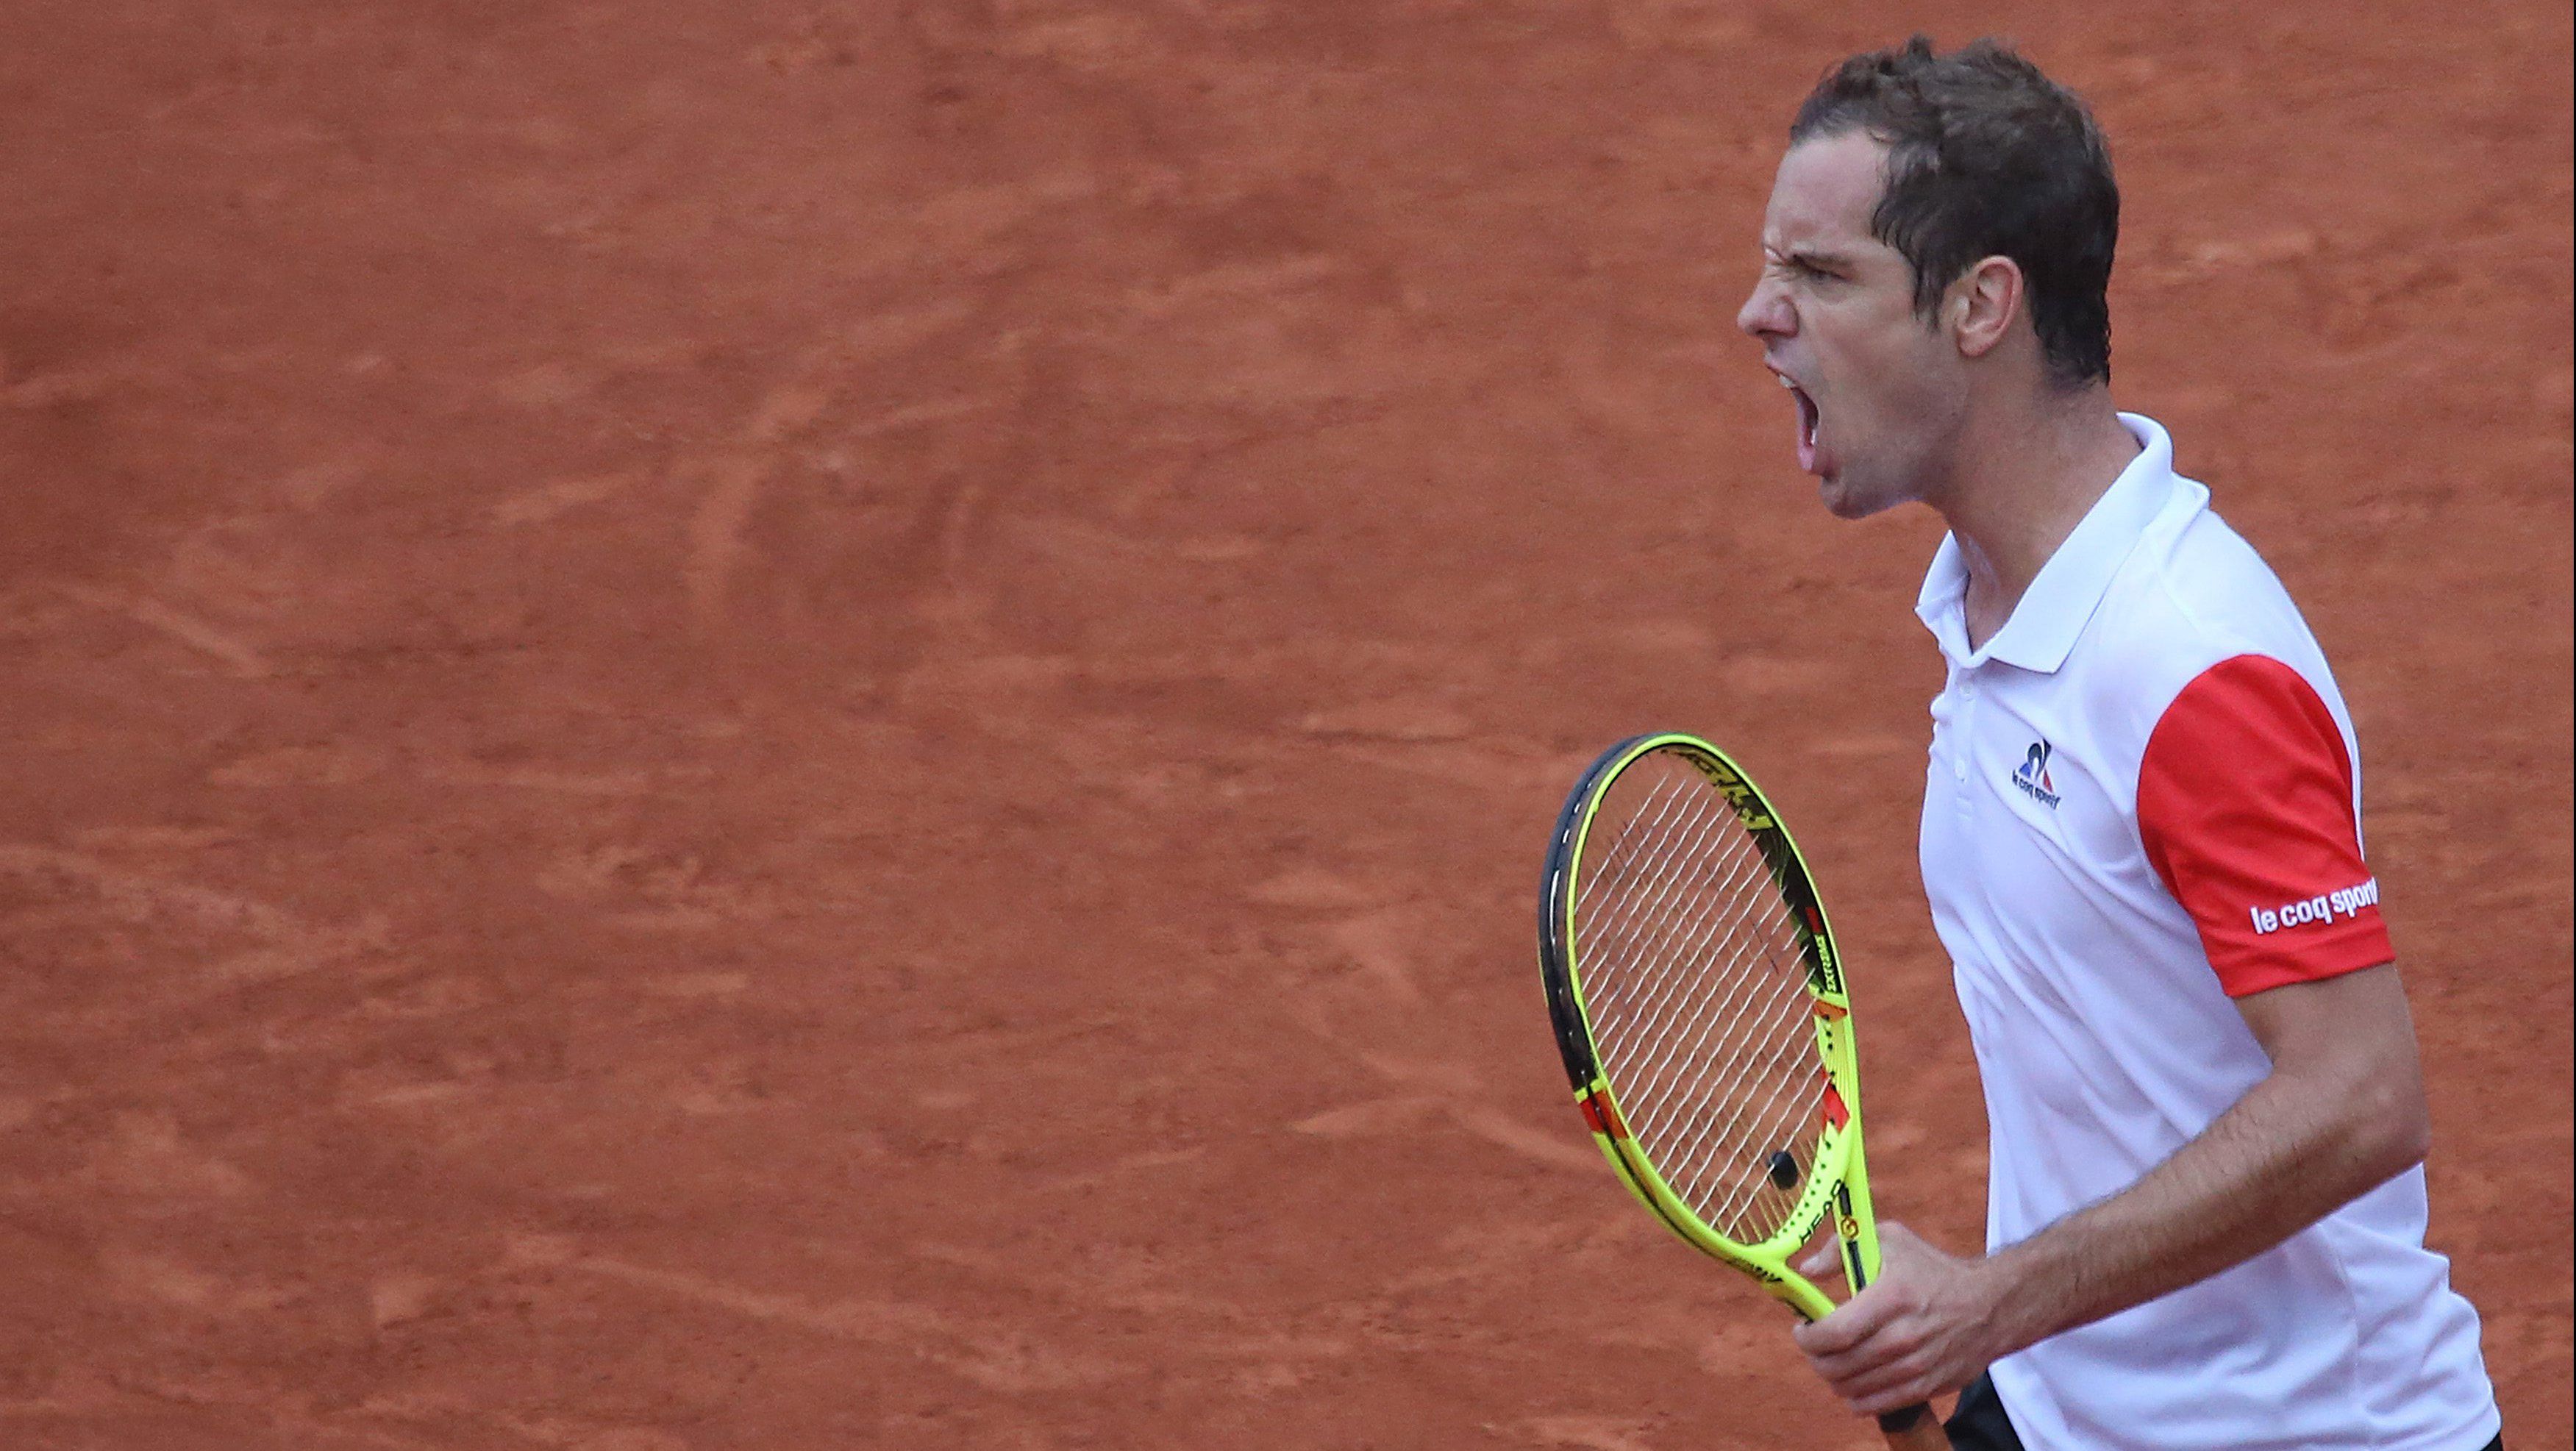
(2144,800)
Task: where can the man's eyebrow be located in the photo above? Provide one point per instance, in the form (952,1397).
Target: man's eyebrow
(1820,260)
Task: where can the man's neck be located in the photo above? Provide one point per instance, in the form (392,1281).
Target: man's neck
(2019,487)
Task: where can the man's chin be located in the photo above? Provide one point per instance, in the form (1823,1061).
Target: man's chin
(1847,498)
(1843,501)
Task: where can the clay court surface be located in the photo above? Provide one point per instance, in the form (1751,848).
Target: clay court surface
(746,726)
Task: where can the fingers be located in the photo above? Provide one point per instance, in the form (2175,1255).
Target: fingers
(1909,1377)
(1895,1238)
(1847,1329)
(1826,1260)
(1890,1369)
(1915,1390)
(1824,1263)
(1921,1330)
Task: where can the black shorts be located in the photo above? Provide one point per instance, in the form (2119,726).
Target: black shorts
(1979,1422)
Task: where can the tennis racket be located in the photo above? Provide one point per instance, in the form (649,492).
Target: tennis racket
(1701,1008)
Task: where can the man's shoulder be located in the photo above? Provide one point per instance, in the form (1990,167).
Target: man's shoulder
(2193,594)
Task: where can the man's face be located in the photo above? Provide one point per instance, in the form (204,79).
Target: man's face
(1879,393)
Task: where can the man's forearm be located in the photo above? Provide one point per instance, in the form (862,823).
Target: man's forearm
(2341,1111)
(2287,1154)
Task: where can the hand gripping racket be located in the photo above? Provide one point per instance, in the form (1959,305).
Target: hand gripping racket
(1700,1006)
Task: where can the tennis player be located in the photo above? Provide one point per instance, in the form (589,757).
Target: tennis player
(2141,834)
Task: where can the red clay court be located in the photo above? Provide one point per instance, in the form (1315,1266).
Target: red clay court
(790,726)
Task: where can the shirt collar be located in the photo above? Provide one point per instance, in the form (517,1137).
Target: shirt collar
(2059,603)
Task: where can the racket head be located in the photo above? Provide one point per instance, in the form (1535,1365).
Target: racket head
(1700,1007)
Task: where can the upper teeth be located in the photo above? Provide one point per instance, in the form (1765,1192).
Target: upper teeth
(1785,383)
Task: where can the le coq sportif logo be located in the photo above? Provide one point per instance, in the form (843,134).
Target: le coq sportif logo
(2324,907)
(2031,776)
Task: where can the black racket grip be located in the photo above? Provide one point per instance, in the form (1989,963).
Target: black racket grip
(1914,1428)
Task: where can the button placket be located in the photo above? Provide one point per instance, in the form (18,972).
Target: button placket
(1965,747)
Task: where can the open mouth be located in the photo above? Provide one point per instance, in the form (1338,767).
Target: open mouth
(1808,417)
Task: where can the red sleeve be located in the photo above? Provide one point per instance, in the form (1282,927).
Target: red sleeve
(2245,803)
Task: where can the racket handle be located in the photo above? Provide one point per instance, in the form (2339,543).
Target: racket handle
(1914,1429)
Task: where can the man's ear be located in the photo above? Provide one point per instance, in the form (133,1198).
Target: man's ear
(1982,304)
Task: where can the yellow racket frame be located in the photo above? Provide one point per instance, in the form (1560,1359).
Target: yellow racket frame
(1837,1183)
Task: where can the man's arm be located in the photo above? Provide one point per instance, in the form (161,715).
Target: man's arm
(2341,1112)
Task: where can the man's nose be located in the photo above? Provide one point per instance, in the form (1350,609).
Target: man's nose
(1766,313)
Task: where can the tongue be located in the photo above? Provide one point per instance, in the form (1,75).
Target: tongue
(1807,419)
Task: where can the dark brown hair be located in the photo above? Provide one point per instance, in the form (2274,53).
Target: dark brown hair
(1987,157)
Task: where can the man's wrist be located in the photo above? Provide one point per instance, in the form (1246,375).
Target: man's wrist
(2022,1296)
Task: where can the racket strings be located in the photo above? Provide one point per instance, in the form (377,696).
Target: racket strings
(1696,949)
(1696,984)
(1739,1046)
(1776,1062)
(1649,1011)
(1770,999)
(1715,1144)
